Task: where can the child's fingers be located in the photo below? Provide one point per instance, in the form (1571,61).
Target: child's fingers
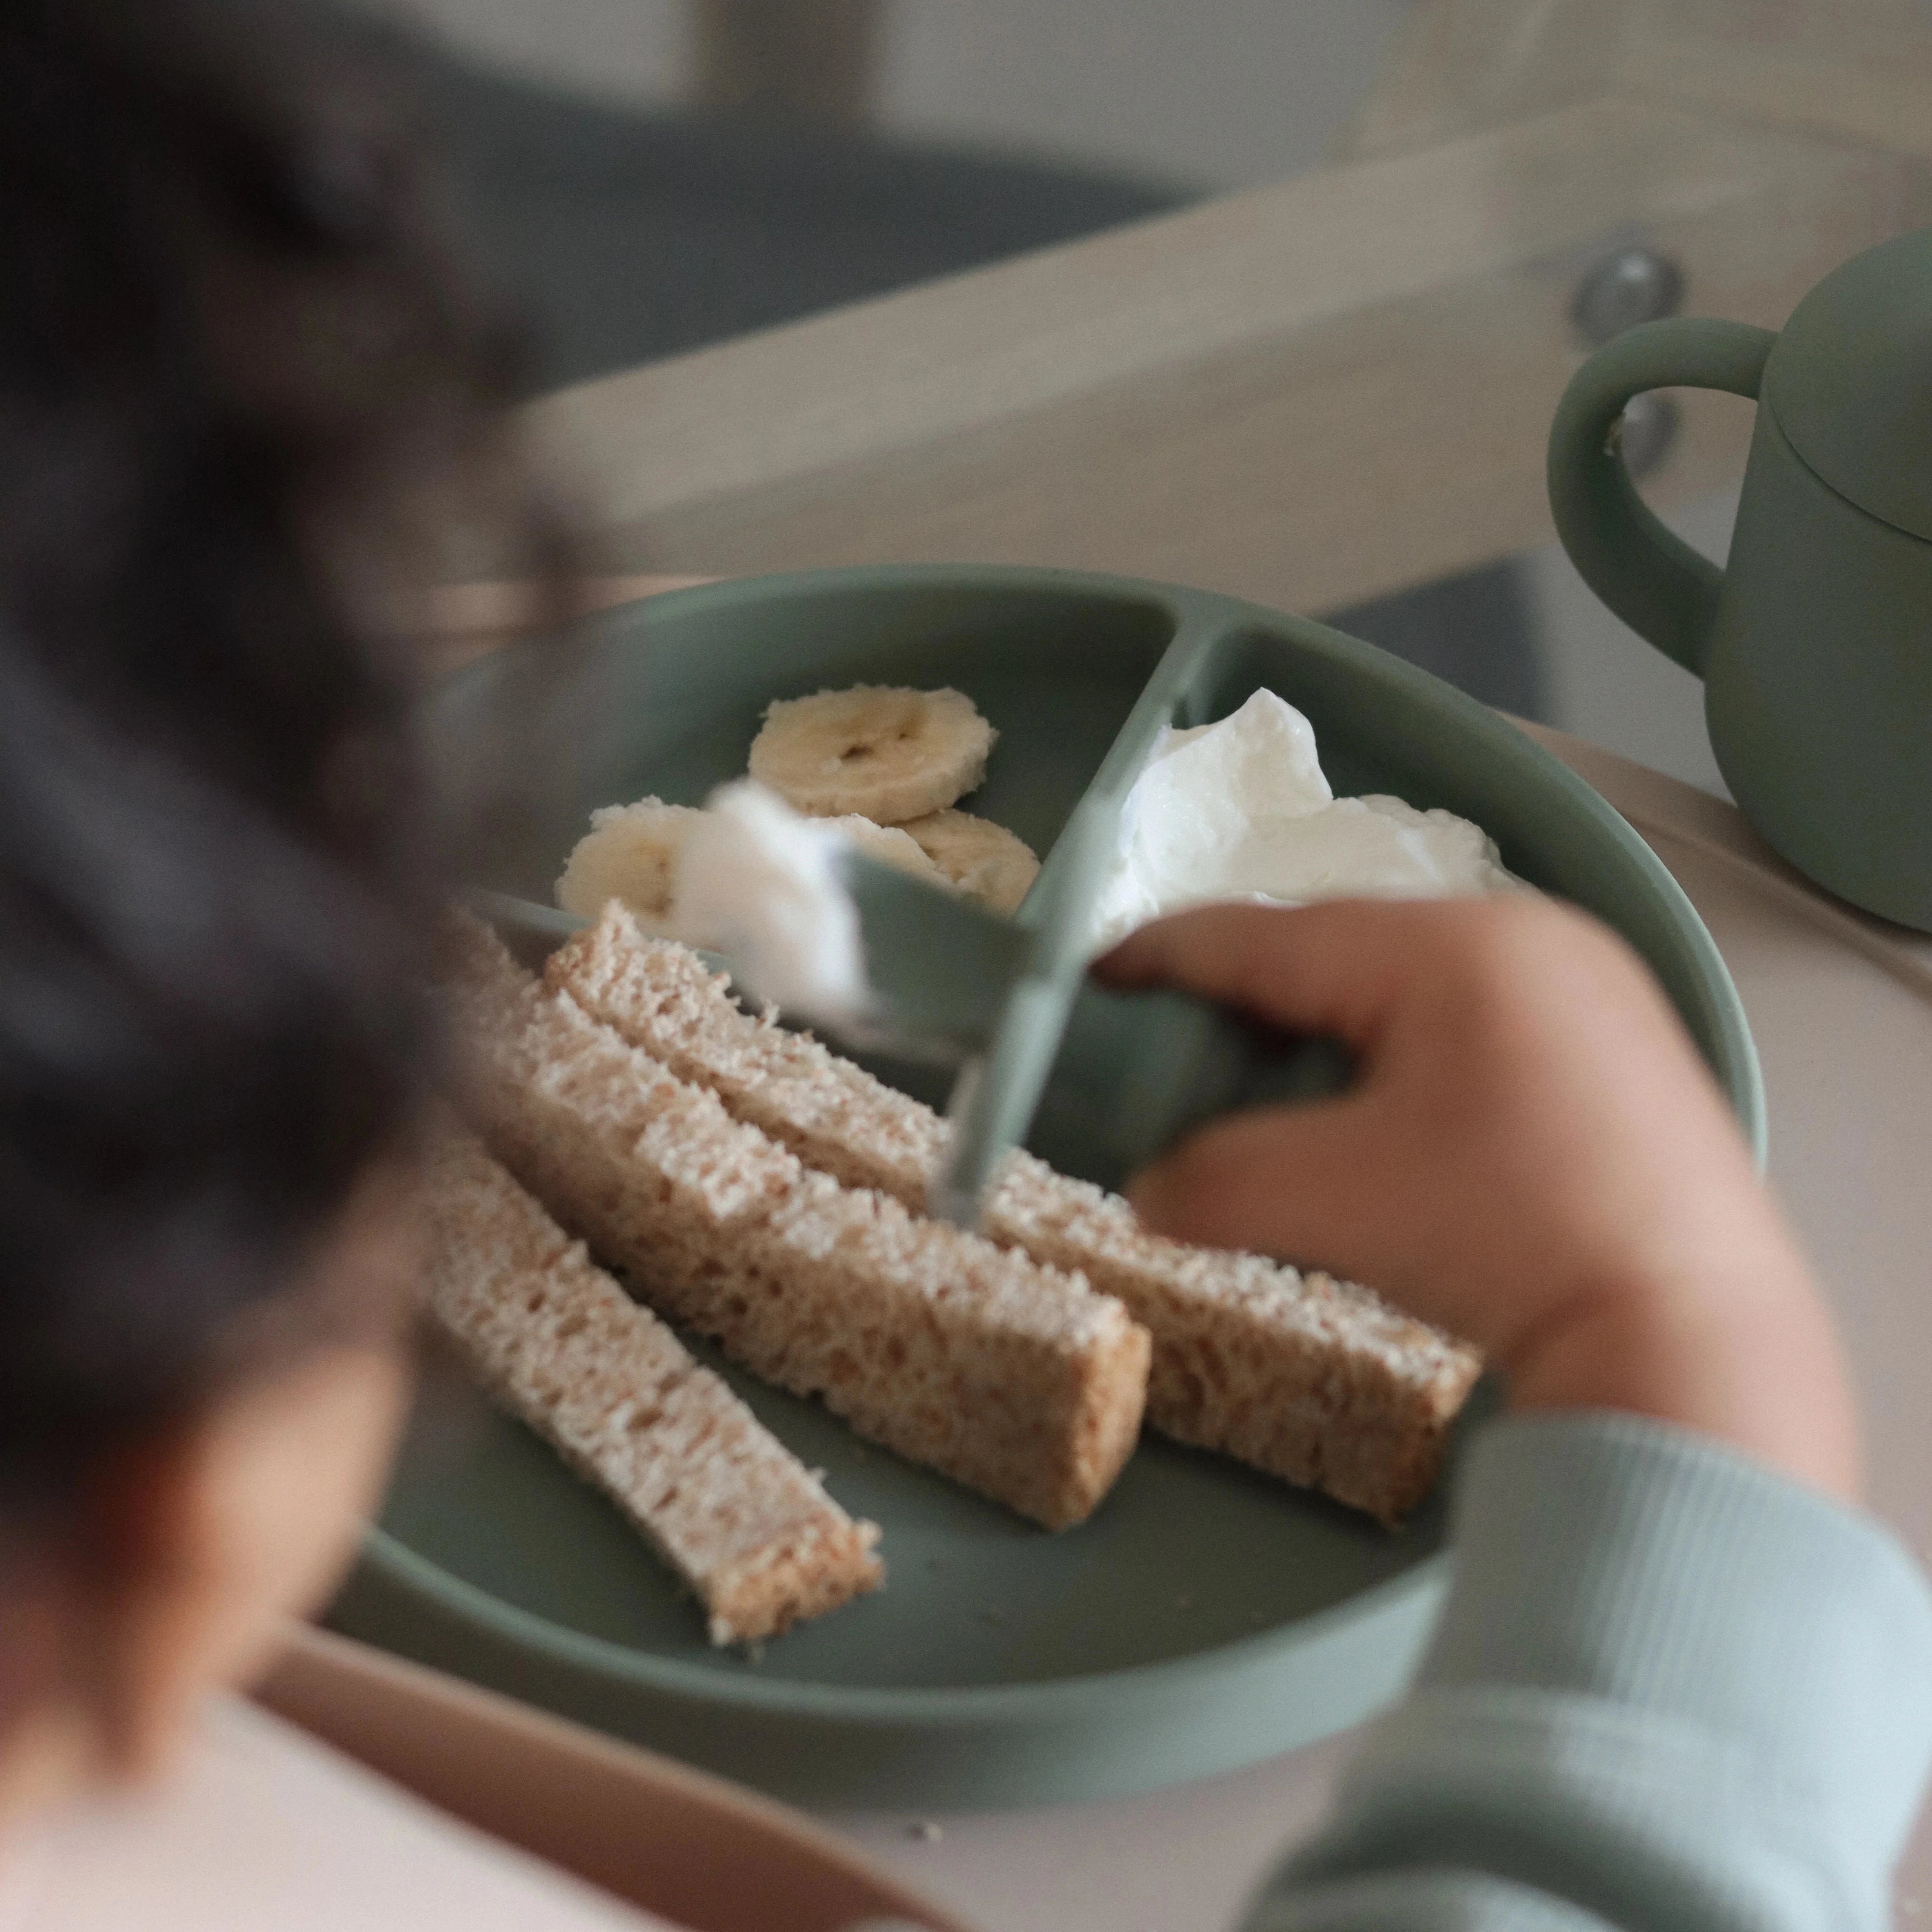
(1481,1106)
(1336,968)
(1304,1186)
(1351,967)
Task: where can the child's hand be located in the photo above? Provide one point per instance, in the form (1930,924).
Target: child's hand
(1533,1158)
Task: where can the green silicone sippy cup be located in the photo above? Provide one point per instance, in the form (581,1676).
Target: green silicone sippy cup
(1815,641)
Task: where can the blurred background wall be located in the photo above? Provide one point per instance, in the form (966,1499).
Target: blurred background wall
(1230,93)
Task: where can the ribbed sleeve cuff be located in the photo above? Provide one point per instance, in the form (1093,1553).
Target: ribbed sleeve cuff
(1612,1557)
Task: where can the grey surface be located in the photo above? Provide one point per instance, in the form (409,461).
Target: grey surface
(1477,631)
(625,236)
(1605,683)
(1236,96)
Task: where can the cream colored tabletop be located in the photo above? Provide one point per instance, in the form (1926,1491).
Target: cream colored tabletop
(258,1829)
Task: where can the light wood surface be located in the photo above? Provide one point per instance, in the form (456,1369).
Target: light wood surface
(1860,70)
(692,1849)
(1457,66)
(1306,395)
(259,1828)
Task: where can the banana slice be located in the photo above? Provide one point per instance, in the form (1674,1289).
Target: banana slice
(890,846)
(629,853)
(887,755)
(985,861)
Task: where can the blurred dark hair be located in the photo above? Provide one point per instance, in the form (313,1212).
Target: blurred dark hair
(240,382)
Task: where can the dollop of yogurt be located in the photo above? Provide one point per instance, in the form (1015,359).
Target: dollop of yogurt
(1241,810)
(758,881)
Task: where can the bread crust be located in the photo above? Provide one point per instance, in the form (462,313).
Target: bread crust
(1312,1379)
(556,1342)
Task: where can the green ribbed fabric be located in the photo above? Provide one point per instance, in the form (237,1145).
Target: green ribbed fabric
(1669,1689)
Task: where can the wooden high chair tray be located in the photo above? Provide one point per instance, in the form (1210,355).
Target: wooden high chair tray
(702,1853)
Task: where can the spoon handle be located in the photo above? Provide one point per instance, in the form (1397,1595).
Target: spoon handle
(1138,1071)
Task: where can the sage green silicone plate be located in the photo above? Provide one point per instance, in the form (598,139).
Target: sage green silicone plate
(1205,1616)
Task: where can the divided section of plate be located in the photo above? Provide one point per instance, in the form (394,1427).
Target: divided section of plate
(1206,1617)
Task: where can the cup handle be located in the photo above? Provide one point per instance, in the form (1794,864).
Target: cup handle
(1648,574)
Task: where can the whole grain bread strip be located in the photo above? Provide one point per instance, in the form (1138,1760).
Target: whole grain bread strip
(558,1343)
(1317,1381)
(1013,1378)
(1308,1378)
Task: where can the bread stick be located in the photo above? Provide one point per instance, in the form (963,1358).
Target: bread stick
(554,1339)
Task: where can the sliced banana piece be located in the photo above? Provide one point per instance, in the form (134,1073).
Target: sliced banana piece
(889,846)
(887,755)
(629,853)
(985,861)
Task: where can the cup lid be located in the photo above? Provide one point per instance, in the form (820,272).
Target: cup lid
(1850,382)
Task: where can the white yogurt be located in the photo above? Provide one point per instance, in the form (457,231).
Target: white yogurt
(1240,810)
(757,882)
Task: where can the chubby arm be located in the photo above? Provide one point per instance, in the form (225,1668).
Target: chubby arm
(1678,1682)
(1670,1689)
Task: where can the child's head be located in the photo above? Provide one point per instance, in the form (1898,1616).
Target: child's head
(236,379)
